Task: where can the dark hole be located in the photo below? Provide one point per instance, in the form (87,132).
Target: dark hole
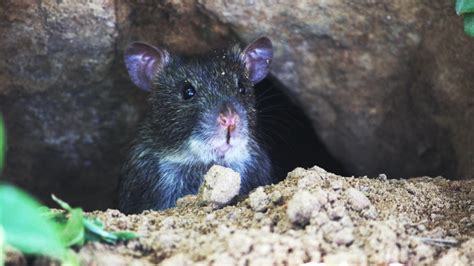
(287,132)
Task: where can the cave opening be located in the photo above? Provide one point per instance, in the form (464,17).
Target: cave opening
(287,133)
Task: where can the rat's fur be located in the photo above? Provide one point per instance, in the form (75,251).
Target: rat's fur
(172,151)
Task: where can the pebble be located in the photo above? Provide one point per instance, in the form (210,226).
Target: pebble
(344,237)
(302,206)
(259,200)
(357,199)
(220,186)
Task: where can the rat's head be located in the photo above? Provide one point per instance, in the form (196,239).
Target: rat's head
(204,105)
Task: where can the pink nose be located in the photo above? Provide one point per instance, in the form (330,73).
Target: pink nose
(228,120)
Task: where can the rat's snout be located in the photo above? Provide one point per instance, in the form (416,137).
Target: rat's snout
(228,119)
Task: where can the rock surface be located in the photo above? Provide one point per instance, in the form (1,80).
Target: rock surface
(418,222)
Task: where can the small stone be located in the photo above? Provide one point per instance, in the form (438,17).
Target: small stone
(421,227)
(337,212)
(322,196)
(220,186)
(344,237)
(302,206)
(296,173)
(276,197)
(382,177)
(357,199)
(337,184)
(319,219)
(370,213)
(259,200)
(330,229)
(332,197)
(258,216)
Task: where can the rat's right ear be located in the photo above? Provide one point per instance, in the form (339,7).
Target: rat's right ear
(143,63)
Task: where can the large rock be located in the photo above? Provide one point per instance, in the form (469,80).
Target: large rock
(388,84)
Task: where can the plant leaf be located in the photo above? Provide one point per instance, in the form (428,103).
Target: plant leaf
(73,230)
(92,228)
(469,24)
(464,6)
(61,203)
(99,233)
(25,228)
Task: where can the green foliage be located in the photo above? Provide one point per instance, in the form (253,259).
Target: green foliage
(26,228)
(469,24)
(466,8)
(82,229)
(35,229)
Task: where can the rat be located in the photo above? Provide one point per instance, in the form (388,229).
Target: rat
(202,113)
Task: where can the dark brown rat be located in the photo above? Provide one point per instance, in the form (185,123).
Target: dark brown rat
(202,113)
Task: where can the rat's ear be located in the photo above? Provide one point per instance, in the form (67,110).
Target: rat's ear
(257,57)
(143,62)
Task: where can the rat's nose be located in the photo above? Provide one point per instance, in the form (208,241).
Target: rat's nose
(228,120)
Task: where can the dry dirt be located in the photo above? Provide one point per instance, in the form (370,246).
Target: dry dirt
(311,216)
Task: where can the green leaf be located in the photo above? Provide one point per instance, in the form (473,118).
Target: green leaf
(73,230)
(96,232)
(62,203)
(464,6)
(92,228)
(25,228)
(2,143)
(469,24)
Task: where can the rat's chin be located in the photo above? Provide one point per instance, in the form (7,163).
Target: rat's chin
(222,150)
(229,150)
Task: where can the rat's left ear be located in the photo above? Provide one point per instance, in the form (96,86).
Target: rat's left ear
(257,57)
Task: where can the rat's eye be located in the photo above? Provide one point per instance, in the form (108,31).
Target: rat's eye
(242,89)
(188,91)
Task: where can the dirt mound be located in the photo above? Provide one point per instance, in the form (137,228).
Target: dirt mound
(312,216)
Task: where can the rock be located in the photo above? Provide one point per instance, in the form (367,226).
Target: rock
(344,237)
(259,200)
(302,206)
(220,186)
(357,199)
(276,197)
(388,86)
(337,212)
